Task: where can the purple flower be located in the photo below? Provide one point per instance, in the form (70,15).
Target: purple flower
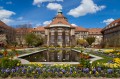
(63,70)
(71,70)
(12,70)
(99,69)
(53,70)
(48,70)
(17,68)
(7,70)
(38,70)
(23,70)
(94,71)
(109,71)
(86,70)
(2,70)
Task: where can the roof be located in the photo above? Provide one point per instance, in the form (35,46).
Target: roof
(23,29)
(60,19)
(78,28)
(94,30)
(39,28)
(112,24)
(2,24)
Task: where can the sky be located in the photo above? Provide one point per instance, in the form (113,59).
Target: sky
(85,13)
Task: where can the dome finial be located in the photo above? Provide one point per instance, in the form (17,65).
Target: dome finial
(60,11)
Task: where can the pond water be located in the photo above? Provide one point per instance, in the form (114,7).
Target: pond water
(54,56)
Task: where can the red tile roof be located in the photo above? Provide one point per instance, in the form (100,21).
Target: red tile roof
(116,21)
(23,29)
(39,28)
(112,24)
(60,19)
(2,24)
(78,28)
(95,30)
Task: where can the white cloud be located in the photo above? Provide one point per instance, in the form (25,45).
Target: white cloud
(73,24)
(47,22)
(86,6)
(7,20)
(39,24)
(5,15)
(10,2)
(39,2)
(108,21)
(20,18)
(54,6)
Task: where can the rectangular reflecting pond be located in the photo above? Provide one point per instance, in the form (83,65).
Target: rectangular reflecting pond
(53,56)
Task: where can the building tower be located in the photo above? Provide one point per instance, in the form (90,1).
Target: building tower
(60,32)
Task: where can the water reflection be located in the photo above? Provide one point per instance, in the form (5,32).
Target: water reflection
(54,56)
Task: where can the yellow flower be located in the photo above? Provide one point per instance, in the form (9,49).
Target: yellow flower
(108,50)
(116,60)
(90,72)
(97,73)
(33,72)
(18,64)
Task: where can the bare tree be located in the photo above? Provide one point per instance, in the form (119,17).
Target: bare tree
(21,31)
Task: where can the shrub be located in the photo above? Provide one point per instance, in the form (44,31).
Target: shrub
(9,63)
(85,62)
(4,75)
(45,75)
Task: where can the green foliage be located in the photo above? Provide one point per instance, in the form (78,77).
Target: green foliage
(74,74)
(8,63)
(14,43)
(4,75)
(33,40)
(90,40)
(81,42)
(85,62)
(45,75)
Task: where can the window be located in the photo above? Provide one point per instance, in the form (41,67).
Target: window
(59,38)
(52,39)
(67,39)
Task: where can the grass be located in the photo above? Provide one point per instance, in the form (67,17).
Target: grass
(104,60)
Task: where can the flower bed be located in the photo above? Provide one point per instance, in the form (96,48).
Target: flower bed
(55,71)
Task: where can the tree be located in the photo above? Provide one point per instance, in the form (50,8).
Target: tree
(81,42)
(90,40)
(22,30)
(33,40)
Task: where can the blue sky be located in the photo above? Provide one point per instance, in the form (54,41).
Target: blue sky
(85,13)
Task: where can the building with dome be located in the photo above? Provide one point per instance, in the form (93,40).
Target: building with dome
(61,33)
(111,34)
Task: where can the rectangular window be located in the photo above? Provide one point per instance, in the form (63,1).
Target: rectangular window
(59,38)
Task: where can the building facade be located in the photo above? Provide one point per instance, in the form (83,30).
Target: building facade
(95,32)
(7,34)
(111,34)
(61,33)
(58,33)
